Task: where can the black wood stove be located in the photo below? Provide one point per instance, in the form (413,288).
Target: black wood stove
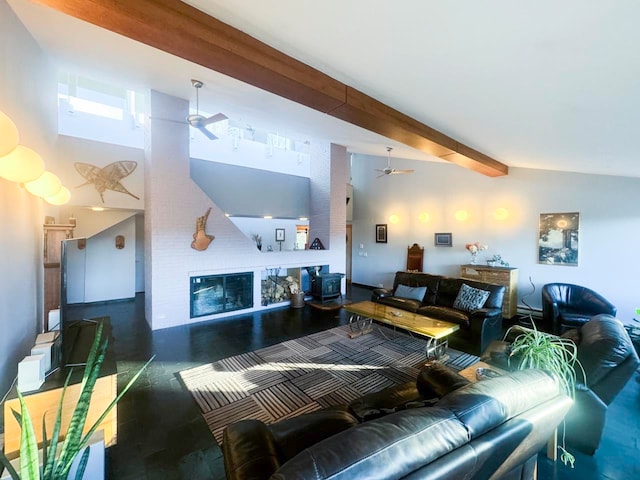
(326,286)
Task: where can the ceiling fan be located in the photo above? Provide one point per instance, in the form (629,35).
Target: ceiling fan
(199,121)
(388,170)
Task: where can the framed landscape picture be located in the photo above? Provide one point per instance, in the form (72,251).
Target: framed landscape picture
(442,239)
(558,238)
(381,233)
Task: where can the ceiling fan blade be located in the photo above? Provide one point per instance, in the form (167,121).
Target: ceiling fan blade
(203,129)
(218,117)
(382,175)
(394,171)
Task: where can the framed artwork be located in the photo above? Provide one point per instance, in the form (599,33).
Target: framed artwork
(279,234)
(381,233)
(442,239)
(558,238)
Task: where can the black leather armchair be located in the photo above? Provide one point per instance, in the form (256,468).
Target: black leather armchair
(608,358)
(566,306)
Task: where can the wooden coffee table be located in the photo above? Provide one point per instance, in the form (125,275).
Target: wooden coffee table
(437,331)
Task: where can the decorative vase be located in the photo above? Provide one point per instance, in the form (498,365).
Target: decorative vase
(474,257)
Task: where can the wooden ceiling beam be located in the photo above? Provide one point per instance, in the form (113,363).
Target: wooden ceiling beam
(182,30)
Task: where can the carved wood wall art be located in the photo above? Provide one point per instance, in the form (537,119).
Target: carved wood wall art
(107,178)
(201,240)
(119,242)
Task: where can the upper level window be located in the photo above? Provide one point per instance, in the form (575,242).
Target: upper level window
(97,110)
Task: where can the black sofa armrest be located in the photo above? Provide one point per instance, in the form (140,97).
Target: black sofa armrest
(254,450)
(378,293)
(585,421)
(486,326)
(295,434)
(249,450)
(437,380)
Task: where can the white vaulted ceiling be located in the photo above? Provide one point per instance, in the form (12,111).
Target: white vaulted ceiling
(537,84)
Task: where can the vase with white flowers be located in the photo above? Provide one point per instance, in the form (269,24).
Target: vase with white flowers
(474,249)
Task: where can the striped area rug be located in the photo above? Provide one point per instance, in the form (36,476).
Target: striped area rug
(306,374)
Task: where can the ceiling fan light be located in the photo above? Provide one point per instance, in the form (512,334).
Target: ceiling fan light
(8,135)
(21,165)
(46,185)
(60,198)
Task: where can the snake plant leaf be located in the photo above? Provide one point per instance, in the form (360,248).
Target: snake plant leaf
(29,461)
(45,442)
(115,401)
(72,442)
(50,461)
(83,464)
(7,464)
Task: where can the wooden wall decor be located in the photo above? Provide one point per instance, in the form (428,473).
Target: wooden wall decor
(182,30)
(119,242)
(82,243)
(107,178)
(201,240)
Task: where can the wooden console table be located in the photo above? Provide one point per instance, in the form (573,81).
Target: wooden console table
(500,276)
(45,400)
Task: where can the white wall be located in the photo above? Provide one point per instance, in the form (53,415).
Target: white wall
(609,224)
(110,272)
(173,202)
(101,272)
(27,96)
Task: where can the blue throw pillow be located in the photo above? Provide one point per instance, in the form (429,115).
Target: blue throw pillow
(470,298)
(411,293)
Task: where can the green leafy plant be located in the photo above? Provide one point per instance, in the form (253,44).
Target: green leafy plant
(56,462)
(556,355)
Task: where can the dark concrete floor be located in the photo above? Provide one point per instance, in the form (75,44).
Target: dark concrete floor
(161,434)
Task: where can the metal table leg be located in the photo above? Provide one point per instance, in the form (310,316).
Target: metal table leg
(436,349)
(359,325)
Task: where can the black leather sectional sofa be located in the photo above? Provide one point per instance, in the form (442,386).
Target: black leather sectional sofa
(489,429)
(478,327)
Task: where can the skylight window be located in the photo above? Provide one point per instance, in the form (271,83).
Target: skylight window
(97,110)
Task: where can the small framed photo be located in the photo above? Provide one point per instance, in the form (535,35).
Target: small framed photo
(381,233)
(279,234)
(442,240)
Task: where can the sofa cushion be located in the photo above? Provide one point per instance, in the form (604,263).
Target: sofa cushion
(411,293)
(470,298)
(480,406)
(604,344)
(389,447)
(420,280)
(447,314)
(402,303)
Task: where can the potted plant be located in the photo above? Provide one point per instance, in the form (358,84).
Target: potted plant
(556,355)
(57,459)
(296,295)
(496,261)
(258,239)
